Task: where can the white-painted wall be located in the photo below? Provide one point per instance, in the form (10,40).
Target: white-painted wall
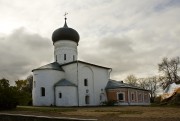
(97,80)
(69,96)
(46,79)
(65,47)
(71,72)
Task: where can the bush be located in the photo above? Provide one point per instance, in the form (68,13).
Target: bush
(8,99)
(109,103)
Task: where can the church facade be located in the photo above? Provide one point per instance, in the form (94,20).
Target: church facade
(68,81)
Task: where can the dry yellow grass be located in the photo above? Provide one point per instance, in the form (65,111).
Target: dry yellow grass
(125,113)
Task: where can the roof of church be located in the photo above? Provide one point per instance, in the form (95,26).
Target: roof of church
(78,61)
(50,66)
(112,84)
(65,33)
(64,82)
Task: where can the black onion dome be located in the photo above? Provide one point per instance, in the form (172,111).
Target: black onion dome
(65,33)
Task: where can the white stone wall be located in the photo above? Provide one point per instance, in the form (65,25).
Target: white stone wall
(97,79)
(86,72)
(101,79)
(71,73)
(68,96)
(46,79)
(65,47)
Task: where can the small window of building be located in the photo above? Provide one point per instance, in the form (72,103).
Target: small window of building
(64,56)
(42,91)
(121,96)
(60,95)
(85,82)
(87,99)
(140,97)
(132,96)
(146,97)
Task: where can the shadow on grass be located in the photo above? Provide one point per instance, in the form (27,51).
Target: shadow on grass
(44,109)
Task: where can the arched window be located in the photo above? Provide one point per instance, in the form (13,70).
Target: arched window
(42,91)
(64,56)
(132,96)
(85,82)
(60,95)
(87,99)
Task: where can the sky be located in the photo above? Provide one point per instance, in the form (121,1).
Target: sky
(129,36)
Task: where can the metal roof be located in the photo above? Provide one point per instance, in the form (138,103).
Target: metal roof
(50,66)
(64,82)
(78,61)
(65,33)
(112,84)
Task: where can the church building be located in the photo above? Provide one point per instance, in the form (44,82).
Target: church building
(70,82)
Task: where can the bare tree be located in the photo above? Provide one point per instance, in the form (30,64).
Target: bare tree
(169,69)
(151,84)
(132,80)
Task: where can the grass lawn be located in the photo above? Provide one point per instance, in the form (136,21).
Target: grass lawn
(116,113)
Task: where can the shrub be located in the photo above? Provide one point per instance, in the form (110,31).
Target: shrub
(109,103)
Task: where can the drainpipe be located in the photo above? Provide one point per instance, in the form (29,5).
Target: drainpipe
(54,96)
(77,84)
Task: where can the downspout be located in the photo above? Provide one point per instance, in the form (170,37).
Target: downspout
(54,96)
(77,85)
(108,80)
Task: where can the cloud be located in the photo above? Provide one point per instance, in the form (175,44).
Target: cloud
(130,36)
(21,51)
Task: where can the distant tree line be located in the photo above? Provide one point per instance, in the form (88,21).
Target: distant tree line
(168,74)
(20,94)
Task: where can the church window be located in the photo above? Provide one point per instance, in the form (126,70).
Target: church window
(42,91)
(60,95)
(85,82)
(87,99)
(64,56)
(121,96)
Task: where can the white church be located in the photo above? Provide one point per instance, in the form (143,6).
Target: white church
(68,81)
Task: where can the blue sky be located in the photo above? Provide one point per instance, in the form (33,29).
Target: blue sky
(130,36)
